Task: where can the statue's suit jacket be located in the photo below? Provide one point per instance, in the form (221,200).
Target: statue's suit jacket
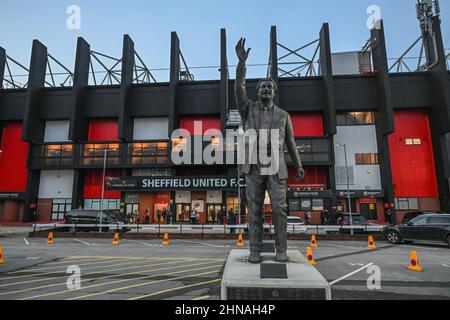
(250,114)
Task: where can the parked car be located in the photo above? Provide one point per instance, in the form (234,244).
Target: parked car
(414,214)
(358,220)
(426,227)
(295,225)
(81,216)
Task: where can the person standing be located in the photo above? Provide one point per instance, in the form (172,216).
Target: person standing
(158,216)
(308,216)
(212,214)
(193,216)
(147,216)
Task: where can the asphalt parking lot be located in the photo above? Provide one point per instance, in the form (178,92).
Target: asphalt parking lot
(191,269)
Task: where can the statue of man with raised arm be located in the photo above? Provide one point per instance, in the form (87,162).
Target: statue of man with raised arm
(264,116)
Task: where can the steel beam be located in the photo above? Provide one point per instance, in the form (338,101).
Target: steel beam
(273,61)
(78,129)
(440,114)
(33,127)
(224,77)
(384,119)
(128,61)
(2,65)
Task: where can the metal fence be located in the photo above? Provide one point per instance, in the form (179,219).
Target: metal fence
(207,229)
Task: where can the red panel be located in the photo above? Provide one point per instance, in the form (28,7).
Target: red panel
(413,170)
(307,124)
(314,177)
(93,184)
(208,122)
(103,130)
(13,159)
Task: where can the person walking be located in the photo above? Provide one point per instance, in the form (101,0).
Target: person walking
(193,216)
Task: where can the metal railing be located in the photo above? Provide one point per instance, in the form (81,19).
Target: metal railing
(208,229)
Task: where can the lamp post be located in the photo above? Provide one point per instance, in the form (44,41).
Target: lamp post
(105,155)
(348,185)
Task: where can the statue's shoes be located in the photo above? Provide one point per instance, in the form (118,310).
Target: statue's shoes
(255,257)
(281,257)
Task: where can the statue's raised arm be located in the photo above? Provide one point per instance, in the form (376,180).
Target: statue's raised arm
(240,91)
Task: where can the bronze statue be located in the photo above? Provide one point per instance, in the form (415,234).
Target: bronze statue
(265,115)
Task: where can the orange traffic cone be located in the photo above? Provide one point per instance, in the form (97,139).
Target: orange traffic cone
(116,240)
(166,241)
(314,242)
(310,256)
(2,261)
(371,243)
(414,264)
(50,239)
(240,242)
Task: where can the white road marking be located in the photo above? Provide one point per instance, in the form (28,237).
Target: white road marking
(356,264)
(26,241)
(145,244)
(84,242)
(204,244)
(350,274)
(340,246)
(446,265)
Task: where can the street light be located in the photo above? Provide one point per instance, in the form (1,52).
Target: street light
(348,185)
(105,155)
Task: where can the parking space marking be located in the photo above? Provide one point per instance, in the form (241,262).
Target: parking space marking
(176,289)
(26,241)
(153,282)
(44,267)
(350,274)
(203,244)
(93,279)
(202,298)
(124,280)
(355,253)
(341,246)
(145,244)
(106,277)
(154,258)
(81,241)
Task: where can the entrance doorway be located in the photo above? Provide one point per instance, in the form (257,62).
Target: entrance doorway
(213,211)
(369,210)
(130,209)
(183,211)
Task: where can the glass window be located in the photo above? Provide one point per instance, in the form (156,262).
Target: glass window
(60,207)
(413,204)
(294,205)
(317,204)
(148,153)
(355,118)
(305,204)
(366,158)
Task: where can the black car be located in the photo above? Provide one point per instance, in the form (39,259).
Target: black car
(414,214)
(427,227)
(92,217)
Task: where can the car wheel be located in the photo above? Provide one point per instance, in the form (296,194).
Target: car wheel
(448,240)
(393,237)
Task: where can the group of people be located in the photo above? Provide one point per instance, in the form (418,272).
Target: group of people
(162,216)
(222,217)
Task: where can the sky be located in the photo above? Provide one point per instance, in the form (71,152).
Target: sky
(198,23)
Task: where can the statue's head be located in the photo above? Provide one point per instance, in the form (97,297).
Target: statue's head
(266,89)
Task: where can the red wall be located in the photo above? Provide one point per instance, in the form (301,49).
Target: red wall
(208,122)
(13,159)
(313,176)
(413,170)
(103,130)
(93,184)
(307,124)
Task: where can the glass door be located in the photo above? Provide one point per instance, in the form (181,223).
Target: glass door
(132,212)
(183,212)
(213,211)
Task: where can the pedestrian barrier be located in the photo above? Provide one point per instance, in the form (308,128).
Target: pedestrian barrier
(166,241)
(240,242)
(371,243)
(314,242)
(116,240)
(310,256)
(2,260)
(50,238)
(414,263)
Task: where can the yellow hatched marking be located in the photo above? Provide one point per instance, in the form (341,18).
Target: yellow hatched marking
(178,288)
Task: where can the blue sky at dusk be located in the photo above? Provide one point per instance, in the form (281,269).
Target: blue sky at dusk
(198,24)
